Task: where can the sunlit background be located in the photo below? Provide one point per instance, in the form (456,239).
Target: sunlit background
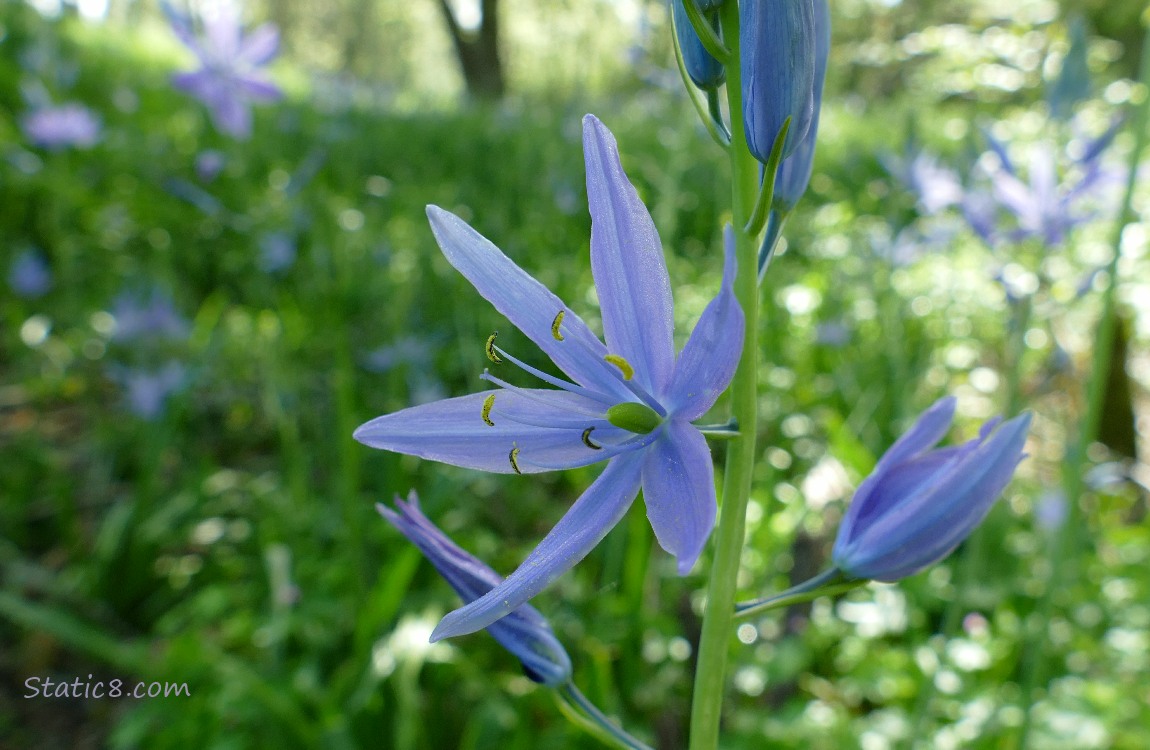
(194,321)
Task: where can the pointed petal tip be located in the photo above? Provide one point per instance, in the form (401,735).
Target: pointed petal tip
(450,627)
(362,434)
(598,137)
(687,562)
(946,404)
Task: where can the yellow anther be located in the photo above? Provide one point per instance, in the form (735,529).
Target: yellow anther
(513,456)
(555,325)
(623,365)
(487,404)
(490,349)
(587,440)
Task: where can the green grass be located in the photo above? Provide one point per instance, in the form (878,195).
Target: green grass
(232,543)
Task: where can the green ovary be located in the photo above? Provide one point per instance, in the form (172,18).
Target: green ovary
(634,417)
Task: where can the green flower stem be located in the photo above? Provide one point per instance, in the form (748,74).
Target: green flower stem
(718,614)
(824,584)
(579,710)
(1069,539)
(1020,314)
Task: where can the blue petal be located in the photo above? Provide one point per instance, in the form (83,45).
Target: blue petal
(525,632)
(900,482)
(679,491)
(453,431)
(931,426)
(260,46)
(928,429)
(526,303)
(708,361)
(469,577)
(594,514)
(627,262)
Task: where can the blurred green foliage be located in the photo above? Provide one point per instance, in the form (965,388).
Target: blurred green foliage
(231,544)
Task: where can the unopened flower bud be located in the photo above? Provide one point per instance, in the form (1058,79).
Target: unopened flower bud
(777,44)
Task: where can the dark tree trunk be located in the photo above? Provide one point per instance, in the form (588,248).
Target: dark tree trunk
(478,51)
(1117,430)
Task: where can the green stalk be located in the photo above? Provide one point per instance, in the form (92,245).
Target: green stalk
(827,583)
(582,712)
(1069,539)
(718,615)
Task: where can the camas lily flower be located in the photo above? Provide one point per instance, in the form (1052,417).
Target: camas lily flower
(228,80)
(920,502)
(524,632)
(1063,188)
(63,126)
(629,401)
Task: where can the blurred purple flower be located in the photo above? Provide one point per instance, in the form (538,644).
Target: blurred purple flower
(154,318)
(981,212)
(62,126)
(834,334)
(921,502)
(1050,510)
(229,78)
(1044,206)
(277,252)
(407,350)
(29,275)
(209,164)
(936,187)
(147,390)
(524,632)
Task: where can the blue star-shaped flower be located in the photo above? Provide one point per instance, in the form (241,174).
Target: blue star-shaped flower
(228,79)
(630,401)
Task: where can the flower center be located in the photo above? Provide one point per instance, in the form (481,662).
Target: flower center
(634,417)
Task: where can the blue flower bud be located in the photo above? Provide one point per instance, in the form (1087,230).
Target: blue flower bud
(921,502)
(524,632)
(705,71)
(777,44)
(795,170)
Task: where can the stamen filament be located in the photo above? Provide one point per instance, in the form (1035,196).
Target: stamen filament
(609,451)
(552,380)
(617,372)
(527,393)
